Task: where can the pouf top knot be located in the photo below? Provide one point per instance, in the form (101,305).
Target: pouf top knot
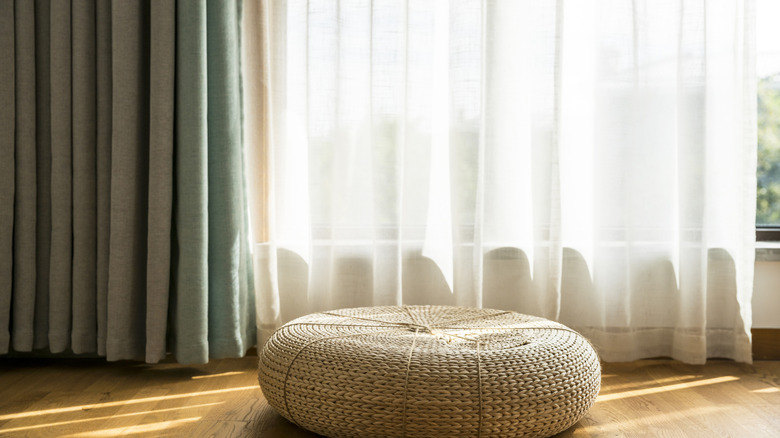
(429,371)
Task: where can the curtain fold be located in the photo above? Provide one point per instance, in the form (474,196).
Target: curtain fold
(103,67)
(590,162)
(191,307)
(42,170)
(162,55)
(229,315)
(123,221)
(129,181)
(61,177)
(84,143)
(7,172)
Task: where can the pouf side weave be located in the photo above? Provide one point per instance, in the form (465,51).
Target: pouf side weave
(429,371)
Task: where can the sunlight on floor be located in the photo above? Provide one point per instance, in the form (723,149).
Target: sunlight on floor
(648,421)
(109,417)
(614,388)
(769,390)
(139,429)
(666,388)
(122,403)
(208,376)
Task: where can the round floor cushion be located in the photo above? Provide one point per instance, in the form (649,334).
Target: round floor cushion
(429,371)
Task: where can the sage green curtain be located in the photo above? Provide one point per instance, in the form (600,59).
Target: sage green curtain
(123,228)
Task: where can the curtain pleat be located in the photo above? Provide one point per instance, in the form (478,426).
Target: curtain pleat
(7,173)
(162,71)
(61,178)
(213,305)
(25,276)
(123,223)
(103,52)
(255,79)
(226,233)
(192,225)
(84,336)
(43,168)
(129,182)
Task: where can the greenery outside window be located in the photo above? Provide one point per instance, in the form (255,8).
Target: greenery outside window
(768,166)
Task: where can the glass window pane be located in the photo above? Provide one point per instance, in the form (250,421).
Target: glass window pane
(768,69)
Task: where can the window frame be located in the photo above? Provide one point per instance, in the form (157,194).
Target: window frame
(766,233)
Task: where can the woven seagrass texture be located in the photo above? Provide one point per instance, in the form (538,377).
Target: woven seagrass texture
(429,371)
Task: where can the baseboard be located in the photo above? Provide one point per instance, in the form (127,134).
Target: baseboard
(766,344)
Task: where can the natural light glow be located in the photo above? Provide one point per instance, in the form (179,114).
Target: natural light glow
(229,373)
(650,421)
(768,47)
(634,386)
(641,392)
(122,403)
(438,233)
(109,417)
(578,135)
(770,390)
(142,428)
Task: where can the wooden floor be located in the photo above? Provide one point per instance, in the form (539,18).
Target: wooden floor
(92,398)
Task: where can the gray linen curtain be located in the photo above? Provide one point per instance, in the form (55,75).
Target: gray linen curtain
(122,199)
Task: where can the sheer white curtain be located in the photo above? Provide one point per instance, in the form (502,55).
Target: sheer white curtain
(591,162)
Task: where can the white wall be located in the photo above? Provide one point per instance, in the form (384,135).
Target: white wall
(766,295)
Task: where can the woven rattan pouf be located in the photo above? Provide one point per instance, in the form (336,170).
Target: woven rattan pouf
(429,371)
